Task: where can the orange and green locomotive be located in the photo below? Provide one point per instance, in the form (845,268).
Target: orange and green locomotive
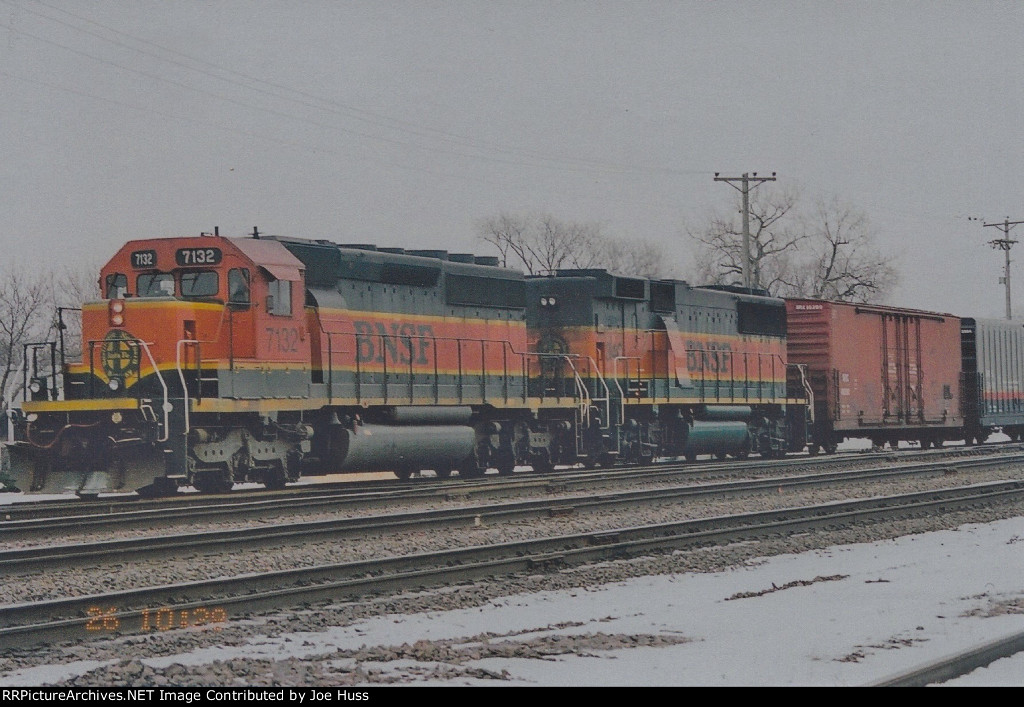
(209,361)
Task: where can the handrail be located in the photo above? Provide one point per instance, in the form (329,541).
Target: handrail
(615,377)
(166,407)
(607,393)
(178,349)
(583,394)
(802,367)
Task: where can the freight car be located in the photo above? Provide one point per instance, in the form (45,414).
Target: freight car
(993,377)
(882,373)
(214,360)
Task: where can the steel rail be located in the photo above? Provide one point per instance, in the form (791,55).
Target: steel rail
(51,557)
(956,665)
(125,503)
(223,507)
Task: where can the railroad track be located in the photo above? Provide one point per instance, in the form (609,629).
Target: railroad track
(55,557)
(42,521)
(958,664)
(210,603)
(126,503)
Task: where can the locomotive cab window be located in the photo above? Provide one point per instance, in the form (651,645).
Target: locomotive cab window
(279,299)
(238,286)
(155,284)
(116,286)
(199,283)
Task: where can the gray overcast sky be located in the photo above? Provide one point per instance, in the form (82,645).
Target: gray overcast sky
(406,123)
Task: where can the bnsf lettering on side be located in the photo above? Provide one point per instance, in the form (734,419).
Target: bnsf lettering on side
(400,343)
(716,359)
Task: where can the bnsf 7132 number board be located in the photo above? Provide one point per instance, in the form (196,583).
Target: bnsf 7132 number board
(144,259)
(197,256)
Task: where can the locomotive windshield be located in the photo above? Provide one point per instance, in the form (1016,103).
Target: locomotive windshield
(155,284)
(117,286)
(199,283)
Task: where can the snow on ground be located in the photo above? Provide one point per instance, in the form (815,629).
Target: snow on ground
(846,615)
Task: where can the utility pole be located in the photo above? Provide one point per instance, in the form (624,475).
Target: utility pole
(745,181)
(1004,244)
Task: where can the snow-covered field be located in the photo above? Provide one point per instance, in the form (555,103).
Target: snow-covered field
(847,615)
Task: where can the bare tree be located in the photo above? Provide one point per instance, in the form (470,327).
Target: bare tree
(544,244)
(831,253)
(842,260)
(25,311)
(640,258)
(28,314)
(774,236)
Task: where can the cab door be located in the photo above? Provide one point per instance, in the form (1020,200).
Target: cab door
(240,315)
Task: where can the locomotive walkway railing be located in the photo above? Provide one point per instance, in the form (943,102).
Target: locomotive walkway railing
(421,368)
(407,368)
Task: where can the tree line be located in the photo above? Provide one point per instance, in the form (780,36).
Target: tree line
(822,249)
(28,314)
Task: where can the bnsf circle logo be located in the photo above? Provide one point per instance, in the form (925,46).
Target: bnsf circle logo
(119,354)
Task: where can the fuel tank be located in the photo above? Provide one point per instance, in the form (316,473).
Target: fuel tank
(391,447)
(717,437)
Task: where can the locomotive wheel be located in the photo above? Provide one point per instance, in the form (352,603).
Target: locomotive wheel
(505,463)
(542,464)
(830,447)
(404,472)
(161,486)
(275,479)
(212,481)
(443,472)
(813,449)
(471,471)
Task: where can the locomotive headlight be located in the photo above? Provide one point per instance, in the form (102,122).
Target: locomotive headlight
(115,312)
(116,418)
(543,301)
(114,384)
(551,301)
(32,417)
(35,386)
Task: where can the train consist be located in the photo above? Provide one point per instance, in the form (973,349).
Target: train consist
(211,360)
